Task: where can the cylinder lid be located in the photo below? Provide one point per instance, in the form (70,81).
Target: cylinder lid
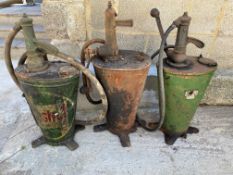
(56,70)
(128,60)
(196,68)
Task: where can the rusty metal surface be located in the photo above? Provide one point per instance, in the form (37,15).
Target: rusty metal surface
(123,83)
(56,70)
(129,60)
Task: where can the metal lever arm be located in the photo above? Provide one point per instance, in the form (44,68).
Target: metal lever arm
(156,14)
(198,43)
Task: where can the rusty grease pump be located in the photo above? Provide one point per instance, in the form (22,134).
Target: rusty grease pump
(122,73)
(50,87)
(182,79)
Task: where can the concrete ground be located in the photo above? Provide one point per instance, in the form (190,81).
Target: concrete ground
(208,153)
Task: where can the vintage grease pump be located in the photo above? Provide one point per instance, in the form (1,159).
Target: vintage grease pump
(50,87)
(183,80)
(122,73)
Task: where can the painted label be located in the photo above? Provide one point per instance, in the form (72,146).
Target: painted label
(54,115)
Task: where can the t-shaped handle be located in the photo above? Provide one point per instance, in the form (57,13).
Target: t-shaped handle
(110,49)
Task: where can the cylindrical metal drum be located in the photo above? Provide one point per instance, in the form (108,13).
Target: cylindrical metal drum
(52,97)
(123,81)
(184,89)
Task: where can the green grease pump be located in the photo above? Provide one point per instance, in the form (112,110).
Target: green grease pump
(182,80)
(50,87)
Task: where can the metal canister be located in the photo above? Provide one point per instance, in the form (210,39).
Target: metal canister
(184,89)
(52,97)
(123,81)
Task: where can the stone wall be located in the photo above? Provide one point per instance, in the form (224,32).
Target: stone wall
(74,21)
(71,22)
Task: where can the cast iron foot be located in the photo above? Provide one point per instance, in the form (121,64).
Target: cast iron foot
(171,139)
(71,144)
(40,141)
(100,128)
(79,127)
(125,140)
(192,130)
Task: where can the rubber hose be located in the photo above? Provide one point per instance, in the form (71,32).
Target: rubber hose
(162,102)
(165,49)
(8,61)
(93,79)
(86,84)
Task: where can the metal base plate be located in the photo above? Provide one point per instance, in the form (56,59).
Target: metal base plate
(69,143)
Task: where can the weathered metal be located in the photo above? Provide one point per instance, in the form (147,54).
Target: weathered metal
(122,73)
(50,88)
(52,97)
(182,81)
(123,81)
(184,89)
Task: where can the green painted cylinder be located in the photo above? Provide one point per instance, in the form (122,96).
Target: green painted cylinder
(52,97)
(184,89)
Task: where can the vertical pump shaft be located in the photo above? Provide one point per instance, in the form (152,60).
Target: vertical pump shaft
(110,48)
(35,60)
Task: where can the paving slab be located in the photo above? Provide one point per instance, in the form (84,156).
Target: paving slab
(209,152)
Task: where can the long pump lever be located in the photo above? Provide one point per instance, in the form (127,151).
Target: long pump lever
(156,14)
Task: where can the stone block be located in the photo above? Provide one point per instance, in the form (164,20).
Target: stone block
(76,21)
(222,51)
(139,11)
(68,47)
(54,20)
(65,20)
(226,25)
(220,90)
(205,14)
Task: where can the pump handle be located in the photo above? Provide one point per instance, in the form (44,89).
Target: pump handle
(198,43)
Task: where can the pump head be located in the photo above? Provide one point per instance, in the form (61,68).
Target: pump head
(177,53)
(110,49)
